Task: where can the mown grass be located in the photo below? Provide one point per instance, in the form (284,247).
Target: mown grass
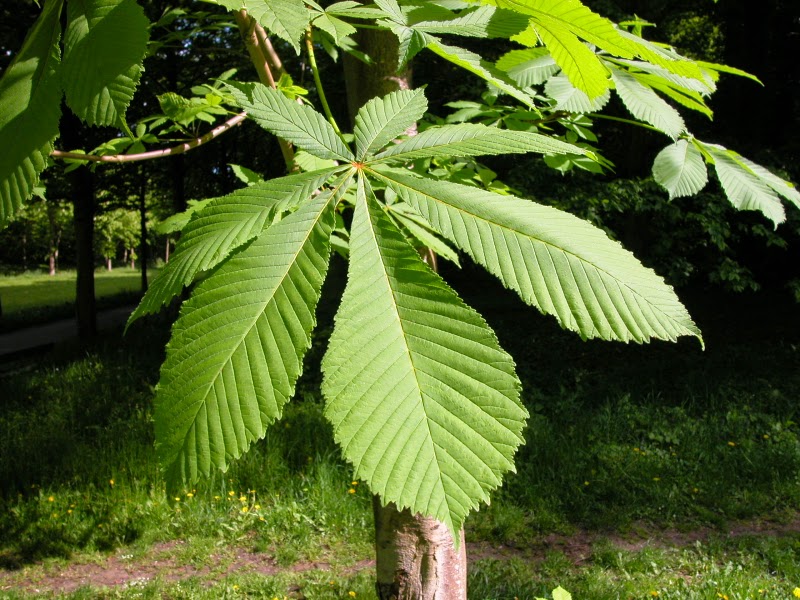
(31,298)
(623,441)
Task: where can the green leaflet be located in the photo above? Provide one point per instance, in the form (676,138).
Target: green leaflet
(104,46)
(680,169)
(745,189)
(237,348)
(419,230)
(570,98)
(30,109)
(532,66)
(287,19)
(422,399)
(778,185)
(468,139)
(562,265)
(483,22)
(644,104)
(668,59)
(299,124)
(688,98)
(574,17)
(475,64)
(381,120)
(334,27)
(577,61)
(223,226)
(560,25)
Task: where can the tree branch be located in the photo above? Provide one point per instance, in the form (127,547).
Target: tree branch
(248,27)
(179,149)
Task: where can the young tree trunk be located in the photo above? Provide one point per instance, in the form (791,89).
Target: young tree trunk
(415,556)
(52,264)
(108,263)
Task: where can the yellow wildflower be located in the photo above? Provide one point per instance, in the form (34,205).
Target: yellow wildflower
(177,498)
(351,491)
(351,593)
(654,594)
(231,493)
(51,499)
(189,495)
(731,444)
(245,509)
(111,482)
(242,498)
(353,483)
(257,507)
(796,592)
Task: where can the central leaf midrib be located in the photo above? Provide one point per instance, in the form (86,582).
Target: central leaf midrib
(395,305)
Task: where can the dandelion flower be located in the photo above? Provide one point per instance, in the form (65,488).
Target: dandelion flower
(731,444)
(242,498)
(177,498)
(51,499)
(189,495)
(231,493)
(796,592)
(245,509)
(257,507)
(353,483)
(654,593)
(351,593)
(351,491)
(111,482)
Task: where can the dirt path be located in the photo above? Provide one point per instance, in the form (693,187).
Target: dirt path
(161,561)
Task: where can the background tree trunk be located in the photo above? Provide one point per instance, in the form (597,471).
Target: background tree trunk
(416,557)
(143,226)
(83,198)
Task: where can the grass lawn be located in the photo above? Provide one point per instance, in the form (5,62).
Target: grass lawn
(36,290)
(658,471)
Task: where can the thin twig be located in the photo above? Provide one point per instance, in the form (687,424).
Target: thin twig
(179,149)
(248,28)
(268,50)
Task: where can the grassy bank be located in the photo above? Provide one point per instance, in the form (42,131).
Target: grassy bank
(639,463)
(34,297)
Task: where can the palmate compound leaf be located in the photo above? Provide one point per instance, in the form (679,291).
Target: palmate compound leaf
(468,139)
(422,399)
(30,99)
(237,348)
(104,46)
(381,120)
(556,262)
(679,168)
(221,227)
(296,123)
